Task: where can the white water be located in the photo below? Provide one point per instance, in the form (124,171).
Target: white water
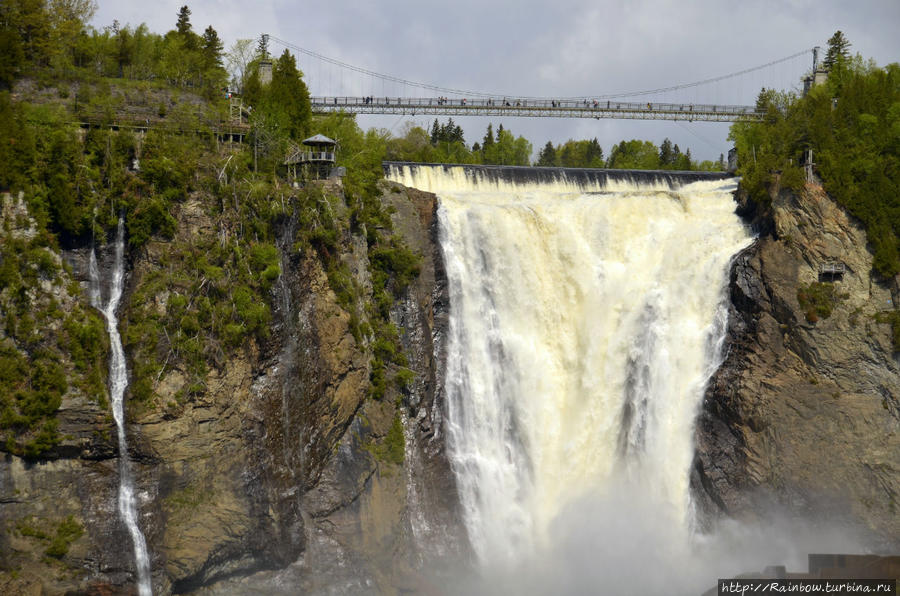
(118,381)
(584,325)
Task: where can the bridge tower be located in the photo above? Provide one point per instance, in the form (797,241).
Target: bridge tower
(265,63)
(818,75)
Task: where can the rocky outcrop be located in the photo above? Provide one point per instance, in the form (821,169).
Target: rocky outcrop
(803,415)
(278,471)
(372,524)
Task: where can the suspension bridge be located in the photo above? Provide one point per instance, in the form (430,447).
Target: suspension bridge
(534,108)
(337,86)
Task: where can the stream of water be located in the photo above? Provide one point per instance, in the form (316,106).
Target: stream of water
(118,382)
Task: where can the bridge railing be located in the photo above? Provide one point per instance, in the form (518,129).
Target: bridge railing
(302,156)
(537,104)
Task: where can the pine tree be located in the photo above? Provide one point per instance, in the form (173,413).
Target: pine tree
(499,130)
(837,49)
(183,26)
(184,20)
(594,154)
(458,134)
(547,156)
(488,137)
(262,48)
(289,94)
(435,132)
(666,154)
(212,48)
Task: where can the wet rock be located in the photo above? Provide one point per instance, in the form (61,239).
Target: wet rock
(804,416)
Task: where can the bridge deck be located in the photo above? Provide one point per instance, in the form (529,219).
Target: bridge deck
(535,108)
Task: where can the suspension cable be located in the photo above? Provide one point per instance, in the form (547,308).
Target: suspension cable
(452,91)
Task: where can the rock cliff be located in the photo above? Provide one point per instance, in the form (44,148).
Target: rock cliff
(282,469)
(803,416)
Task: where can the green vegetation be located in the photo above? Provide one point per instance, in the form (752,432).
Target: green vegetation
(392,448)
(51,39)
(573,154)
(58,540)
(393,265)
(818,300)
(852,125)
(446,144)
(892,318)
(187,498)
(67,532)
(39,341)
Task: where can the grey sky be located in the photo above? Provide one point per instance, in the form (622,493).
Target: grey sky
(558,48)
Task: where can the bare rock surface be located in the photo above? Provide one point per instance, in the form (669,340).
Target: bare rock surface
(804,415)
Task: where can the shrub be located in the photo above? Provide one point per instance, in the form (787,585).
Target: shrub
(817,300)
(392,450)
(67,532)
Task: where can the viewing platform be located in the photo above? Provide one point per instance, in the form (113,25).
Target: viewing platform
(831,271)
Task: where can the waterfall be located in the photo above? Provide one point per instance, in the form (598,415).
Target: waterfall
(586,317)
(118,381)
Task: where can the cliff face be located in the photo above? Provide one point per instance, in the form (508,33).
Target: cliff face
(282,463)
(803,415)
(283,472)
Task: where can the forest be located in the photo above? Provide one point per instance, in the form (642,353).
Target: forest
(851,124)
(72,98)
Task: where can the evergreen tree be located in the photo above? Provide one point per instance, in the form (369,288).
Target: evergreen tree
(594,154)
(11,57)
(488,138)
(262,48)
(499,132)
(666,153)
(212,49)
(288,95)
(452,133)
(435,132)
(547,156)
(838,49)
(252,90)
(28,22)
(183,26)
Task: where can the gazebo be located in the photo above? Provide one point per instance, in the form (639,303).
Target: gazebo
(316,154)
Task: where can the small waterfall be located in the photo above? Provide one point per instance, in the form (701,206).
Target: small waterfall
(118,381)
(586,314)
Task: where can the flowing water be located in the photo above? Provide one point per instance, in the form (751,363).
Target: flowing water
(118,382)
(586,317)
